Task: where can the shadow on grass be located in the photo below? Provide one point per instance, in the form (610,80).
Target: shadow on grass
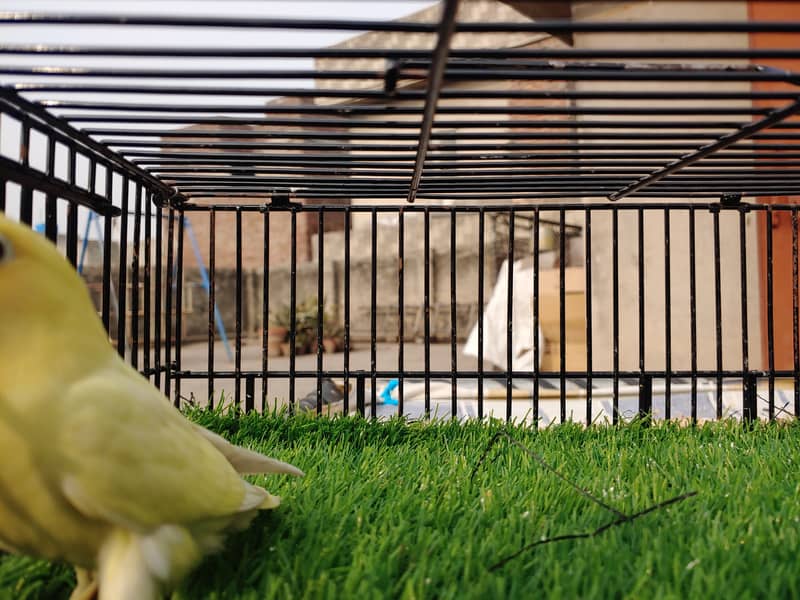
(244,560)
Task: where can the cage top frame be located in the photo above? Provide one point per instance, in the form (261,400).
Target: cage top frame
(448,121)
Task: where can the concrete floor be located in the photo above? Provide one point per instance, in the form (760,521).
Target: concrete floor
(195,357)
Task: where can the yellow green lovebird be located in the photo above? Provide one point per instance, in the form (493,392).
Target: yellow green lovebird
(96,468)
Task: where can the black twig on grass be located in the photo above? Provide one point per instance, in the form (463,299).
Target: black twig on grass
(598,531)
(780,409)
(539,459)
(621,517)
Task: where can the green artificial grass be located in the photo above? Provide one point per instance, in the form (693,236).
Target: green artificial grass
(387,510)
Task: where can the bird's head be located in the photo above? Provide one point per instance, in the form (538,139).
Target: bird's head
(44,303)
(33,274)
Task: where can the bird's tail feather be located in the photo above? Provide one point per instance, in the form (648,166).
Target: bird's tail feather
(246,461)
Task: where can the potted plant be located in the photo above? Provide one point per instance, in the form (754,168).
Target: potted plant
(306,320)
(306,325)
(333,332)
(278,331)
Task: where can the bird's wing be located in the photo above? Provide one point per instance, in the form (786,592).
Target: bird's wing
(129,458)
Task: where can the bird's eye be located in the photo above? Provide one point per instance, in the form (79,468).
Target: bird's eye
(5,250)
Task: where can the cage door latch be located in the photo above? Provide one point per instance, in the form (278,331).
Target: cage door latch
(282,198)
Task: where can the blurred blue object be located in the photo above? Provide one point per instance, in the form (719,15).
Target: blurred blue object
(386,393)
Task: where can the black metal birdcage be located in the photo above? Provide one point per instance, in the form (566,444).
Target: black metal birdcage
(626,185)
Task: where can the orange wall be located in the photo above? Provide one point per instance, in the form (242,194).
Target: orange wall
(760,10)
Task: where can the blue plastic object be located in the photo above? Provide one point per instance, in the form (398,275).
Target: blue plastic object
(85,244)
(386,393)
(206,285)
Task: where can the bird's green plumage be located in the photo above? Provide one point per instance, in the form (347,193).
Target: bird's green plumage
(98,469)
